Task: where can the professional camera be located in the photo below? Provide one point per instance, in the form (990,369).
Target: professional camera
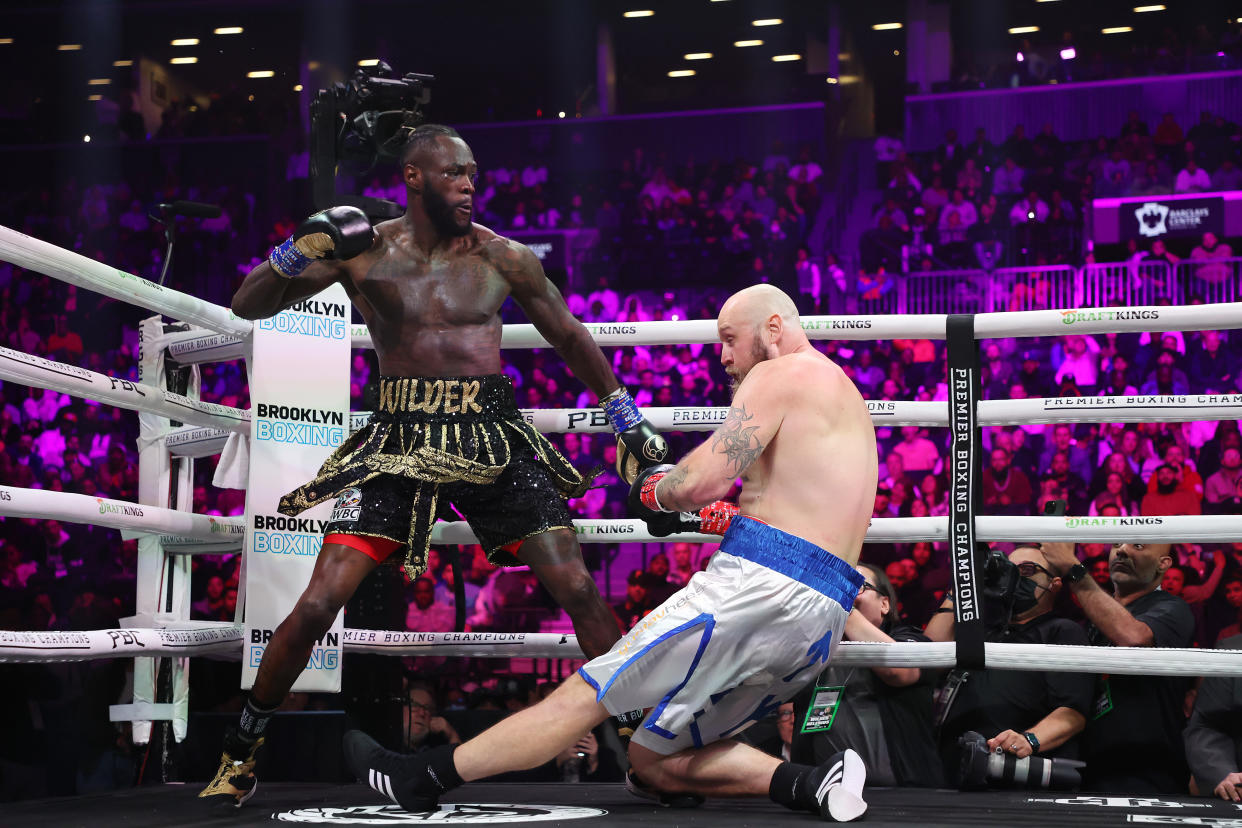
(998,587)
(983,768)
(357,124)
(1000,578)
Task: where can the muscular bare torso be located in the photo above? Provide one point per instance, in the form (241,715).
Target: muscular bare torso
(816,478)
(436,315)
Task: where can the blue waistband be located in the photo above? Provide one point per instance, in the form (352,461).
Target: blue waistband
(794,558)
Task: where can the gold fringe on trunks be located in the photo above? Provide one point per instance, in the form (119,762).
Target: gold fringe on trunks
(430,453)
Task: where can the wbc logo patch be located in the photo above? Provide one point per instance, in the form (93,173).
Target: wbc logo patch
(347,506)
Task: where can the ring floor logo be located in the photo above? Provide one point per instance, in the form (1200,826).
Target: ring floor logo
(455,814)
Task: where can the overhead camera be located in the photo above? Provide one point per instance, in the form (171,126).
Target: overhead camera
(359,123)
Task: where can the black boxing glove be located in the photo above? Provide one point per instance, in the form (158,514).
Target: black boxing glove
(336,233)
(644,505)
(639,445)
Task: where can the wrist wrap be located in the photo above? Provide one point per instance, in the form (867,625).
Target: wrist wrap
(647,495)
(620,410)
(287,260)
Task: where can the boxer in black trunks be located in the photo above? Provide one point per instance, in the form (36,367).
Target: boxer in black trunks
(430,285)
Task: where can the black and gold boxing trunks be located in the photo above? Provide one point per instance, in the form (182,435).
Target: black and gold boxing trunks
(435,441)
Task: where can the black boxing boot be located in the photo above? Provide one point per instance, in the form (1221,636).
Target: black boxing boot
(833,790)
(415,783)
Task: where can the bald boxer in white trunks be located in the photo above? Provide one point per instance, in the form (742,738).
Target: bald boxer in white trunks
(741,637)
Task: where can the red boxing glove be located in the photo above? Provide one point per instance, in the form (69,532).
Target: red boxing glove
(647,491)
(717,516)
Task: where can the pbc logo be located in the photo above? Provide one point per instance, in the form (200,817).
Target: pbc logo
(124,637)
(1152,219)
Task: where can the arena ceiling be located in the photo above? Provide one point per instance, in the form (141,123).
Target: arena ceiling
(523,59)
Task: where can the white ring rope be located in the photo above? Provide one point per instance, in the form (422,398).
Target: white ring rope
(224,640)
(1004,528)
(221,545)
(703,331)
(196,347)
(1031,657)
(76,269)
(116,514)
(1138,408)
(136,517)
(90,645)
(80,382)
(195,441)
(1224,315)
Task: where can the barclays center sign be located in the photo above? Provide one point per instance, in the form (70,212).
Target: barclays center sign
(1184,217)
(1189,217)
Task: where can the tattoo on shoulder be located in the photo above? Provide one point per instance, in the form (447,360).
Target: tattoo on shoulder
(736,440)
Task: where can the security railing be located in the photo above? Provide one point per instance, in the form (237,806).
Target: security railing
(1211,280)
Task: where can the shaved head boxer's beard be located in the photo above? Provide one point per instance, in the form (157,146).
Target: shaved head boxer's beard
(759,353)
(442,215)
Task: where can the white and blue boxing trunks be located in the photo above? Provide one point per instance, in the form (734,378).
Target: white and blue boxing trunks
(737,641)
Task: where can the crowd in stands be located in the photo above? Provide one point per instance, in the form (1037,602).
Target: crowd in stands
(745,219)
(61,577)
(1027,200)
(1187,45)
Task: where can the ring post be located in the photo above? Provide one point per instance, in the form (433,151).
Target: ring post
(964,491)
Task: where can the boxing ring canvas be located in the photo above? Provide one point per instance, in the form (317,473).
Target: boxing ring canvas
(585,805)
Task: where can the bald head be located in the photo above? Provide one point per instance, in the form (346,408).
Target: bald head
(755,304)
(756,324)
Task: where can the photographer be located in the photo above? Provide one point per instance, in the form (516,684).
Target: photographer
(883,713)
(1020,713)
(1133,742)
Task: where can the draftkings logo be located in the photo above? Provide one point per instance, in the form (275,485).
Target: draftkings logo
(1077,522)
(1152,218)
(454,814)
(1069,317)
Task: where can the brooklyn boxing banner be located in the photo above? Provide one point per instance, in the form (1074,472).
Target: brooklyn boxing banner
(299,398)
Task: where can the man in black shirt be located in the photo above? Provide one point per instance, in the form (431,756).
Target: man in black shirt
(1214,735)
(1133,741)
(1021,713)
